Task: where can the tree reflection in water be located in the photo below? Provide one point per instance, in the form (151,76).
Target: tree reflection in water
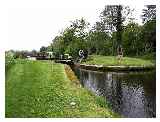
(130,94)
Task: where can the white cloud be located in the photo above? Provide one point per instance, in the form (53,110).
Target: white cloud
(34,24)
(31,28)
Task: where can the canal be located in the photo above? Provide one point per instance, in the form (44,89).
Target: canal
(131,94)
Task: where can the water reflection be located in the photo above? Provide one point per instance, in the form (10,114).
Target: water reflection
(130,94)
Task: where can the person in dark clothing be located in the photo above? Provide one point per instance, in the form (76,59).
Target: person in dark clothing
(119,54)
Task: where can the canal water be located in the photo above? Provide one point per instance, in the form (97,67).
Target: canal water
(131,94)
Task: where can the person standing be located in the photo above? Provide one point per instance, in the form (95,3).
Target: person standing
(81,55)
(120,53)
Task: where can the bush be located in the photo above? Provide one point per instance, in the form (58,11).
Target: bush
(9,60)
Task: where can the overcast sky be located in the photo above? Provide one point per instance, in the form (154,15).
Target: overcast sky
(31,26)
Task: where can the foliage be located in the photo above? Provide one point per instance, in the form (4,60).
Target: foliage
(113,18)
(149,13)
(116,27)
(9,60)
(149,36)
(72,39)
(99,43)
(132,42)
(43,49)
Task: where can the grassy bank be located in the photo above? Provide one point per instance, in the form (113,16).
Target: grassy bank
(42,89)
(112,61)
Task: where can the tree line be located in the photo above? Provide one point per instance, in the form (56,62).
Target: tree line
(116,27)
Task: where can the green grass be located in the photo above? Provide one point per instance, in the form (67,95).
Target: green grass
(42,89)
(112,61)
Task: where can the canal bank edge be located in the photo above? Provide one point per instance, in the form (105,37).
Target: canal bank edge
(71,76)
(115,68)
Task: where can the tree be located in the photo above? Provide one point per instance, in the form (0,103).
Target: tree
(149,13)
(132,42)
(80,28)
(149,36)
(116,24)
(33,52)
(113,17)
(43,50)
(79,37)
(149,28)
(58,46)
(98,42)
(73,38)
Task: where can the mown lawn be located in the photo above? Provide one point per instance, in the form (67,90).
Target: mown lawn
(42,89)
(112,60)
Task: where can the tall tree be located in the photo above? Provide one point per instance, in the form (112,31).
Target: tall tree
(149,28)
(72,39)
(98,40)
(80,33)
(149,13)
(113,17)
(132,41)
(119,25)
